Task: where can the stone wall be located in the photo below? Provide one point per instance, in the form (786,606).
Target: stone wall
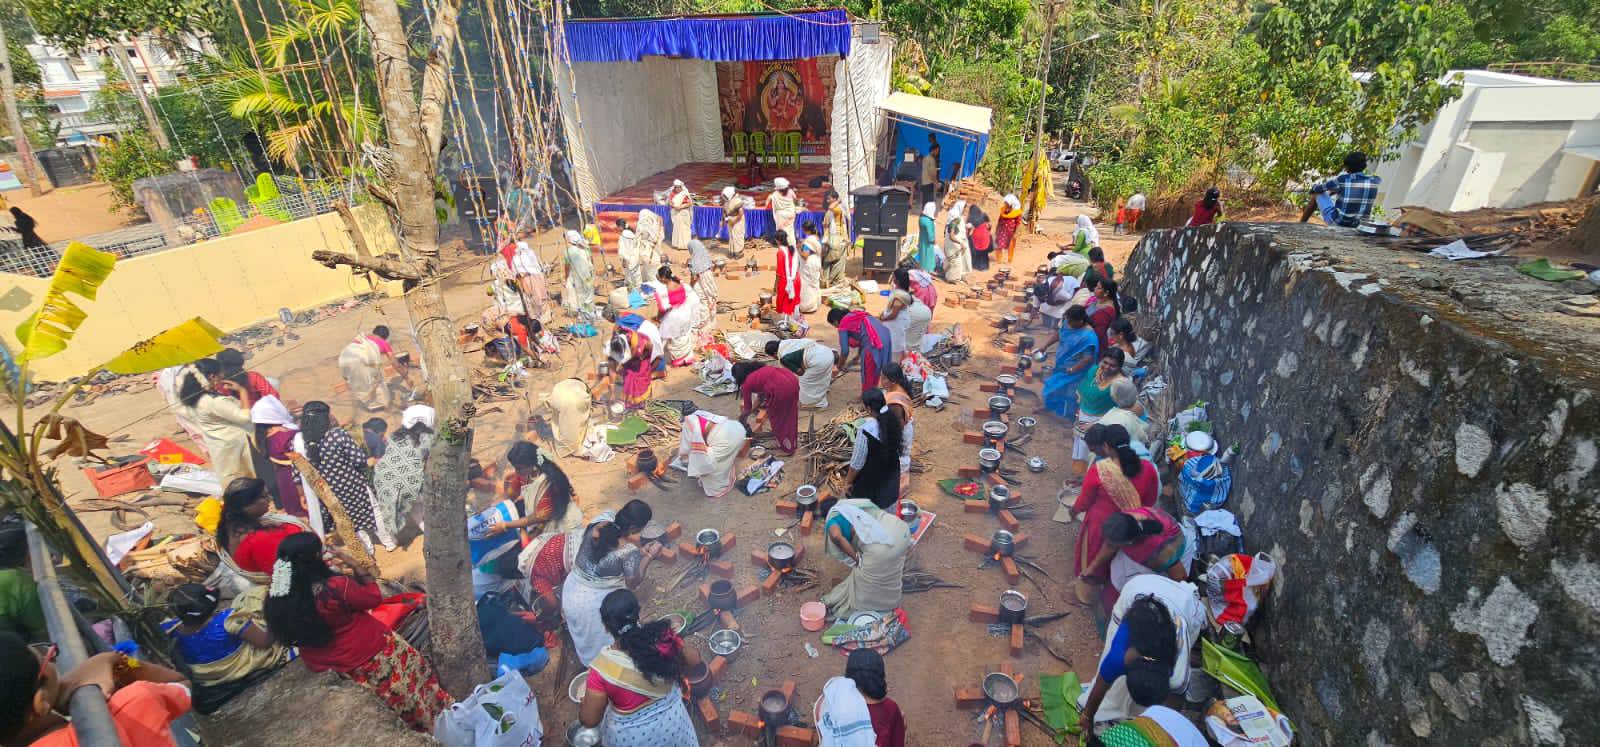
(1417,451)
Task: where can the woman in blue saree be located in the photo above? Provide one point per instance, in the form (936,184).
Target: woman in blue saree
(1076,353)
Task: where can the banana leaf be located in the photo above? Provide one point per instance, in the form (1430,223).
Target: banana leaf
(83,269)
(1237,671)
(949,486)
(1058,693)
(187,342)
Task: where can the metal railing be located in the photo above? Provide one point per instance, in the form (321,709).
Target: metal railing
(91,714)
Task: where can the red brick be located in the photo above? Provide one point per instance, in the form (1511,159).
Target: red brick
(728,541)
(749,594)
(1016,640)
(980,412)
(727,619)
(966,697)
(1008,520)
(708,713)
(667,554)
(786,508)
(951,301)
(1013,729)
(1010,567)
(734,275)
(975,543)
(723,568)
(788,690)
(805,524)
(770,585)
(1010,671)
(705,591)
(717,667)
(983,613)
(688,548)
(989,388)
(974,507)
(799,553)
(340,387)
(1011,348)
(637,481)
(1019,539)
(674,530)
(968,472)
(972,437)
(970,304)
(747,723)
(759,557)
(794,736)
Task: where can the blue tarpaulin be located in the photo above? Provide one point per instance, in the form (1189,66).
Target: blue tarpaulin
(964,149)
(789,36)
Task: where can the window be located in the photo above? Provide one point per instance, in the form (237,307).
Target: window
(133,54)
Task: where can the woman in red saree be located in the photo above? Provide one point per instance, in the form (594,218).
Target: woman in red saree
(774,391)
(631,351)
(1119,481)
(787,291)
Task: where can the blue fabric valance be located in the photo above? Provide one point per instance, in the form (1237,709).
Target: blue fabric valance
(727,39)
(707,222)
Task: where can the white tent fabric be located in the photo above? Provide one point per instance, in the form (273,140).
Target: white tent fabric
(633,119)
(863,81)
(938,111)
(625,121)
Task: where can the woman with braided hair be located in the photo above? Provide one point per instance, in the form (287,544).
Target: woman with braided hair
(633,698)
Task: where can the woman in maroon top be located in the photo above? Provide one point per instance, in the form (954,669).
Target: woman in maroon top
(324,613)
(773,392)
(1207,210)
(1104,309)
(865,667)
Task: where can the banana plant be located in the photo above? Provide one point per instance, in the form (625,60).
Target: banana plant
(28,483)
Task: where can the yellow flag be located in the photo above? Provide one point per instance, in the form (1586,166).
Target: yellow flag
(81,272)
(187,342)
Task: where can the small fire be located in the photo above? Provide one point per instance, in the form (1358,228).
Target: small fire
(997,556)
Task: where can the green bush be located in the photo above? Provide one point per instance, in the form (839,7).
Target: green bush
(135,156)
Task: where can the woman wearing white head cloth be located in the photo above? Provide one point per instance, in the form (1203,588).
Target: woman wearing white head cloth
(1085,235)
(733,205)
(927,238)
(709,445)
(398,476)
(275,429)
(784,204)
(1005,231)
(578,295)
(681,203)
(702,279)
(628,252)
(957,262)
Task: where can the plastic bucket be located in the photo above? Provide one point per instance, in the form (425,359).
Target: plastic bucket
(813,615)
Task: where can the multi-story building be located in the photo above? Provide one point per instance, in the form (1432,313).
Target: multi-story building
(71,81)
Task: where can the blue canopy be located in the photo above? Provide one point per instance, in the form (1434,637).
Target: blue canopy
(788,36)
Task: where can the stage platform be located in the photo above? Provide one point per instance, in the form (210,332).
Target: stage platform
(706,181)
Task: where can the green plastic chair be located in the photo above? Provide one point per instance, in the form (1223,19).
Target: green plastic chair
(226,213)
(788,148)
(741,148)
(758,146)
(267,199)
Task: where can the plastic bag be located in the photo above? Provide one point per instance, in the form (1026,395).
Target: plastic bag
(501,713)
(1234,585)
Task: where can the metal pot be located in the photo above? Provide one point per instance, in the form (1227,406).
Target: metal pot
(709,541)
(1007,322)
(1024,344)
(909,510)
(1036,464)
(1003,543)
(774,710)
(1026,424)
(1013,607)
(988,460)
(1007,383)
(725,642)
(754,310)
(652,531)
(722,596)
(999,498)
(994,433)
(602,369)
(780,555)
(765,298)
(1024,363)
(806,498)
(999,405)
(1001,690)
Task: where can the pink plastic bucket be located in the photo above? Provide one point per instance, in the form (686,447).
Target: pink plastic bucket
(813,615)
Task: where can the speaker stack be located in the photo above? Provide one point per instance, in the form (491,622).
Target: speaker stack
(478,206)
(880,220)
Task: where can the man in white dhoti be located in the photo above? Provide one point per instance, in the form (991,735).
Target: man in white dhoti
(812,361)
(710,446)
(681,203)
(733,205)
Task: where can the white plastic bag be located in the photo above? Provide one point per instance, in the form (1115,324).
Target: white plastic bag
(501,713)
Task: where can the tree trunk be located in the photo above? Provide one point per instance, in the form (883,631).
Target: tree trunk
(119,52)
(8,91)
(414,132)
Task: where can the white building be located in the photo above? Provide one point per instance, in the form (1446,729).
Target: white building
(1508,141)
(71,81)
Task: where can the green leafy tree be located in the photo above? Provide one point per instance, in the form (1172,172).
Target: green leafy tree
(135,156)
(80,24)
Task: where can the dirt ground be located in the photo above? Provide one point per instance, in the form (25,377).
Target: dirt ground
(946,650)
(71,212)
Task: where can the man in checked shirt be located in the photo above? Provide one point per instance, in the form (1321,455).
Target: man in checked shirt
(1346,199)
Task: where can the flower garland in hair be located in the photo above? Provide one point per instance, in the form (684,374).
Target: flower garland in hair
(282,578)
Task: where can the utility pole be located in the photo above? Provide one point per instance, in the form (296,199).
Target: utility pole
(8,91)
(1044,83)
(415,128)
(119,51)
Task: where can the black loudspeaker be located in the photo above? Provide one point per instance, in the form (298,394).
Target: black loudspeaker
(478,206)
(879,252)
(881,210)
